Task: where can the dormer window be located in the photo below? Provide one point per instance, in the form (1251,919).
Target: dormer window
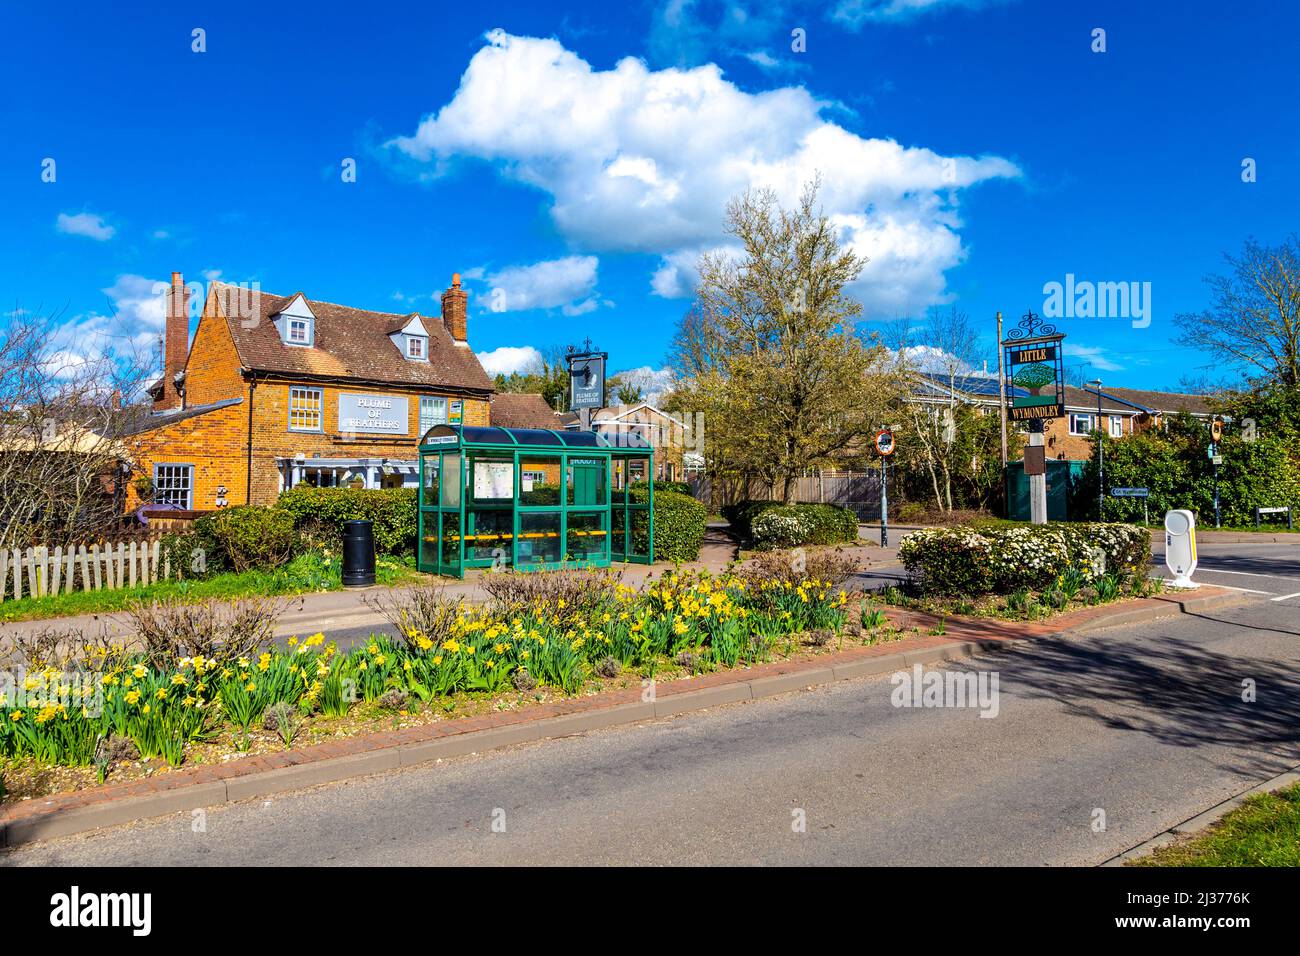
(297,323)
(411,338)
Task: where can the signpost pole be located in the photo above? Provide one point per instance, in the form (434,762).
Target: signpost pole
(1216,493)
(884,501)
(1002,401)
(885,446)
(1037,482)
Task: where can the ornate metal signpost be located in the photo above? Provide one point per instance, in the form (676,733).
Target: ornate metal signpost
(586,380)
(1033,362)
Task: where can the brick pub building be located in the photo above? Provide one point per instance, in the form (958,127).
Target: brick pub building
(276,391)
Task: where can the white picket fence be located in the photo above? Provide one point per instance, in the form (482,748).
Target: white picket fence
(41,571)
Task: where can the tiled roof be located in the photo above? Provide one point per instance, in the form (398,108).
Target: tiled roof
(522,410)
(349,344)
(147,421)
(1117,400)
(1169,402)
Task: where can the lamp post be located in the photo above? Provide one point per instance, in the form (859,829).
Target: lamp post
(1101,454)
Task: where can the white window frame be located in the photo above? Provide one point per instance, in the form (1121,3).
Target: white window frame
(303,391)
(185,473)
(422,343)
(1074,419)
(1116,429)
(428,422)
(291,322)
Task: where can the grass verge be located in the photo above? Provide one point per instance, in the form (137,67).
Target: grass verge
(298,577)
(1264,831)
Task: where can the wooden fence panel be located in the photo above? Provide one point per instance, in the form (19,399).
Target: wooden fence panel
(41,571)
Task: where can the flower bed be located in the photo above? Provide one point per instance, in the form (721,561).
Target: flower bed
(102,705)
(974,561)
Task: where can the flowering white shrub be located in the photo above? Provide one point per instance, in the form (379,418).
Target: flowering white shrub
(986,560)
(781,529)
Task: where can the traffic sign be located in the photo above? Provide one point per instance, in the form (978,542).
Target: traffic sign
(1216,460)
(1130,492)
(885,441)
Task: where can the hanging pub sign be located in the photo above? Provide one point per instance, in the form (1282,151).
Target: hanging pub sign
(1035,375)
(586,378)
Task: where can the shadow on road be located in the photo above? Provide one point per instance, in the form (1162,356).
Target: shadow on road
(1174,691)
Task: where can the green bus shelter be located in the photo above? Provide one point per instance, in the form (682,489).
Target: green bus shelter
(532,499)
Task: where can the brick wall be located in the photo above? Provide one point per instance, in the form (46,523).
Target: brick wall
(213,443)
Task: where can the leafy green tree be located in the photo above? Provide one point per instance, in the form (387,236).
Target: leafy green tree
(1174,465)
(770,352)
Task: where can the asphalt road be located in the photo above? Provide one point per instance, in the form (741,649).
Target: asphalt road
(1269,571)
(1145,723)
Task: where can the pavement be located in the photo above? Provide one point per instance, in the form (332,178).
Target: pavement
(1099,743)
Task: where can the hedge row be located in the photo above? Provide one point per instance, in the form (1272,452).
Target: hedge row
(972,561)
(304,517)
(771,524)
(680,521)
(393,511)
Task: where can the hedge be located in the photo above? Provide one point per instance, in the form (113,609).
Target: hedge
(680,487)
(248,536)
(393,511)
(679,524)
(770,524)
(971,561)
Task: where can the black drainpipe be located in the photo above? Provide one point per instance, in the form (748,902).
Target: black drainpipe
(248,491)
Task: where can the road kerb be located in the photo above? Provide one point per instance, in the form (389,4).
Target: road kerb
(1205,819)
(262,783)
(672,704)
(79,819)
(268,782)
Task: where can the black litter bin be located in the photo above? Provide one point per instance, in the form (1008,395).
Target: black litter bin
(358,554)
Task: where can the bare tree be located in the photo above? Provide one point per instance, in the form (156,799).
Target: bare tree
(946,345)
(62,466)
(1254,319)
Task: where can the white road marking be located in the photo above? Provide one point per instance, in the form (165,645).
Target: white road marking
(1249,574)
(1229,587)
(1287,597)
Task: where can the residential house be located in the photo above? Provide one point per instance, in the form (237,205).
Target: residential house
(280,390)
(677,443)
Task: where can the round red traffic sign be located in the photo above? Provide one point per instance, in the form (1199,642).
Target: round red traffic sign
(885,441)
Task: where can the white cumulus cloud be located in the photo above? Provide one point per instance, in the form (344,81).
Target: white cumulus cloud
(568,284)
(642,160)
(86,224)
(510,358)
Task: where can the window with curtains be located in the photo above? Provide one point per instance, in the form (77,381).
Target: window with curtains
(1080,424)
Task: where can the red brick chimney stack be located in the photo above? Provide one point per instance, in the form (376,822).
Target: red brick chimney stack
(454,308)
(176,341)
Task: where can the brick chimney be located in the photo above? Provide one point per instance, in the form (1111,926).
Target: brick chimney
(454,307)
(176,342)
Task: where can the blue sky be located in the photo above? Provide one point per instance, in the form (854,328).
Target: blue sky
(573,160)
